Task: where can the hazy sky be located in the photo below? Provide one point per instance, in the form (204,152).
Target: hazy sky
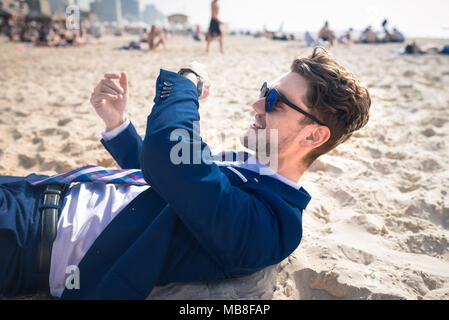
(415,18)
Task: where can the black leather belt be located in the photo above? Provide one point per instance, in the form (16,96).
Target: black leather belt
(48,224)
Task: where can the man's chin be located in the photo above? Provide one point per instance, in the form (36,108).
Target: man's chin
(255,140)
(249,139)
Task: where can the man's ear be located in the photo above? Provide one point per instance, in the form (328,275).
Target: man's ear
(315,137)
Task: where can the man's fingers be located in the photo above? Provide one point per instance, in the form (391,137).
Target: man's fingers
(109,83)
(124,82)
(103,96)
(106,89)
(97,87)
(112,75)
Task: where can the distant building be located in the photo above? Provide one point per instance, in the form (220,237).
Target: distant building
(59,6)
(108,10)
(152,15)
(178,22)
(38,9)
(131,10)
(177,19)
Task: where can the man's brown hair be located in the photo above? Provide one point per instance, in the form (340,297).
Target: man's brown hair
(334,96)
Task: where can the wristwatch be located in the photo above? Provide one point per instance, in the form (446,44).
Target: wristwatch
(200,79)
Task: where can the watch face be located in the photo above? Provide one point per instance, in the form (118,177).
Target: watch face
(200,88)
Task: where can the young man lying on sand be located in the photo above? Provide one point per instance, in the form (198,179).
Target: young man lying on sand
(202,218)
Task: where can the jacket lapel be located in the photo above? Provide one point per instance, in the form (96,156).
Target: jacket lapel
(247,179)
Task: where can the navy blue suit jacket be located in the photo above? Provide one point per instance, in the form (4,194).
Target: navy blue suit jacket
(197,221)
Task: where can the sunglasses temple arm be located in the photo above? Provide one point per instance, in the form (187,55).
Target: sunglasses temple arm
(306,114)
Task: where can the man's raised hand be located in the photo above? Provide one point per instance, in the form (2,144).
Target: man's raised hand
(202,71)
(110,100)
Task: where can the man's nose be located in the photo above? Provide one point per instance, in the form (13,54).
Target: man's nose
(259,106)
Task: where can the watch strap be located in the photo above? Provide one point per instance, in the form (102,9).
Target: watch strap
(200,79)
(182,70)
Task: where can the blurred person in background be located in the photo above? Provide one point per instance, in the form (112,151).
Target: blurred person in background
(156,37)
(214,27)
(326,34)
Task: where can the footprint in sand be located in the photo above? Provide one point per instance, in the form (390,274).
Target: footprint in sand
(429,132)
(406,186)
(370,223)
(321,213)
(408,74)
(21,114)
(16,134)
(382,167)
(106,163)
(344,198)
(20,98)
(237,115)
(319,165)
(356,255)
(73,149)
(405,86)
(53,131)
(57,104)
(37,140)
(430,165)
(57,166)
(396,155)
(63,122)
(433,245)
(27,162)
(438,122)
(436,213)
(375,154)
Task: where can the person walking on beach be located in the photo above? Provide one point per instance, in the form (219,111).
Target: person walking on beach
(214,27)
(177,213)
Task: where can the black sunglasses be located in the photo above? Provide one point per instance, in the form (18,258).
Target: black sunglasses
(273,96)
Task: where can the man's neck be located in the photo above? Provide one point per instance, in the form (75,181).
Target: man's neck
(291,169)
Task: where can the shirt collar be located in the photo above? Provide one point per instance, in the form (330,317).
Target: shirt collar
(255,165)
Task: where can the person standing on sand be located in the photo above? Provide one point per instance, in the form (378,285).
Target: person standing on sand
(214,28)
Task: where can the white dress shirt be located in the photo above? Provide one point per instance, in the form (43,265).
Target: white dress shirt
(90,207)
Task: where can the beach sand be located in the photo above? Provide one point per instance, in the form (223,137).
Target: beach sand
(378,223)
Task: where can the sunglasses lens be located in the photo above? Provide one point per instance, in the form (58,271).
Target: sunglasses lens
(263,90)
(270,101)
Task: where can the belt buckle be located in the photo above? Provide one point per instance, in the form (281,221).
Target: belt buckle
(48,224)
(49,216)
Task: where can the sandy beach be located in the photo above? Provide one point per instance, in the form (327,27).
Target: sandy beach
(378,223)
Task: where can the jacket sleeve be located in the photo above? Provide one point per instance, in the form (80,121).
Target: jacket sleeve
(236,228)
(125,148)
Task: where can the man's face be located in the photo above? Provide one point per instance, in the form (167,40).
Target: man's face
(282,121)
